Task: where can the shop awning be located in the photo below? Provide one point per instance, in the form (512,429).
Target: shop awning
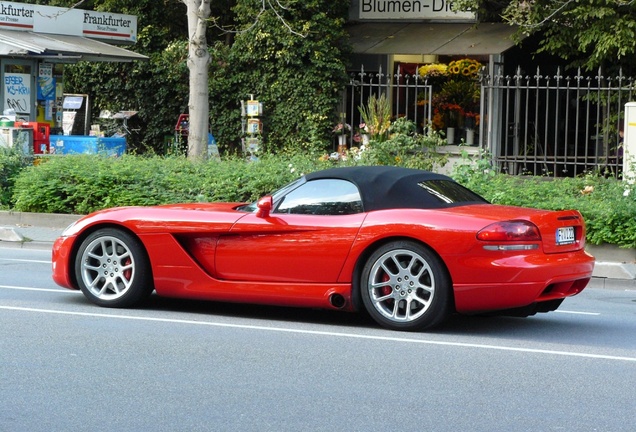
(61,48)
(430,38)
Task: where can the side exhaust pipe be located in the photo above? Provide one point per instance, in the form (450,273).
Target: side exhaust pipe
(337,301)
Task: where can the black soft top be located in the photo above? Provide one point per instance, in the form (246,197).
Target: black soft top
(389,187)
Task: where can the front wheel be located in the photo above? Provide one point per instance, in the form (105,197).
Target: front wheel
(112,269)
(405,286)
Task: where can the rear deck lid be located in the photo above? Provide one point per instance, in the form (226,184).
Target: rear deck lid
(561,231)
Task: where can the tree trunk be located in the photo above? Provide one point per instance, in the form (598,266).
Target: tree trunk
(198,65)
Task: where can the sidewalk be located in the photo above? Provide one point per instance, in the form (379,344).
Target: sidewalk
(32,230)
(615,267)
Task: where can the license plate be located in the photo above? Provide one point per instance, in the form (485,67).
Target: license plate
(565,236)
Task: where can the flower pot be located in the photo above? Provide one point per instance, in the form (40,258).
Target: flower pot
(470,137)
(450,135)
(342,144)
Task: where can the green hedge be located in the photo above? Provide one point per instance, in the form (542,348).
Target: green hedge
(11,164)
(80,184)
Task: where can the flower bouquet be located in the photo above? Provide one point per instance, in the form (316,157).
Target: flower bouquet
(464,68)
(362,134)
(342,128)
(471,120)
(434,70)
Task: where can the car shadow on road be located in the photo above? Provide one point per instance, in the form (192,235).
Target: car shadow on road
(261,312)
(545,327)
(550,327)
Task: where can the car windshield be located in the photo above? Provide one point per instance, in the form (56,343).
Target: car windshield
(276,196)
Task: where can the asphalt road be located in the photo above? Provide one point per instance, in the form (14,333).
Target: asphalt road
(66,365)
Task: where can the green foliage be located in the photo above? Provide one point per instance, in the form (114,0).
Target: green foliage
(81,184)
(157,89)
(471,172)
(608,35)
(405,147)
(11,164)
(297,72)
(377,116)
(295,67)
(84,183)
(589,34)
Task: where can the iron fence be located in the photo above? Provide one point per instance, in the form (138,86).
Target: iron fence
(559,125)
(409,94)
(556,125)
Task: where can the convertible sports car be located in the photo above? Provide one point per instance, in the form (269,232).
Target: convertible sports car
(410,247)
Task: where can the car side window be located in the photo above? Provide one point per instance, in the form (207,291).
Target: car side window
(322,197)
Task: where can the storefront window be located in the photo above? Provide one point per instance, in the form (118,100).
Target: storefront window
(16,89)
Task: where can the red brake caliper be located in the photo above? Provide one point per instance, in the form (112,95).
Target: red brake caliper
(386,290)
(127,273)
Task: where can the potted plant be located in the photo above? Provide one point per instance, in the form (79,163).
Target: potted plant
(362,134)
(341,130)
(471,121)
(376,116)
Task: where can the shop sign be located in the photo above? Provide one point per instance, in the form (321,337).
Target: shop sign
(16,16)
(411,9)
(109,26)
(65,21)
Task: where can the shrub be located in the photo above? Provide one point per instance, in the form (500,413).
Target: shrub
(405,147)
(11,163)
(81,184)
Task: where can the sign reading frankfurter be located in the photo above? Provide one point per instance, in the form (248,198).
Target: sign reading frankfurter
(411,9)
(74,22)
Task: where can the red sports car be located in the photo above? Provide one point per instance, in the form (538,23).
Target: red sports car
(410,247)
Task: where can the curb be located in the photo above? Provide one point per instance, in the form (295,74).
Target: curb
(32,230)
(26,244)
(47,220)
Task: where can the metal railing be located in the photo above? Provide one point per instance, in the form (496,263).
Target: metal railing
(409,93)
(556,125)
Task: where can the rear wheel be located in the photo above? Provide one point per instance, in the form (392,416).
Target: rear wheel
(112,269)
(405,286)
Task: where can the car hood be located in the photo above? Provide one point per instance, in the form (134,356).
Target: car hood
(189,217)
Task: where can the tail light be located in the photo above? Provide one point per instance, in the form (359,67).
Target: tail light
(516,231)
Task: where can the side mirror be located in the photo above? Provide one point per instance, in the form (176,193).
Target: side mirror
(264,206)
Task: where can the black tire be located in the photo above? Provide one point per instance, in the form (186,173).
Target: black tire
(112,269)
(405,286)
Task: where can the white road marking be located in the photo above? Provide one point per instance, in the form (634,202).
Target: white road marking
(26,260)
(577,313)
(325,333)
(62,290)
